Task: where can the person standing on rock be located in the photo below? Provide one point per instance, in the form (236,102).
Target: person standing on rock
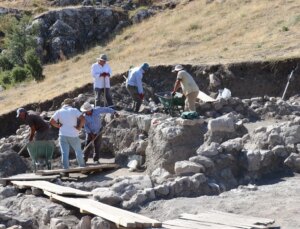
(93,127)
(189,87)
(39,128)
(134,85)
(101,73)
(70,121)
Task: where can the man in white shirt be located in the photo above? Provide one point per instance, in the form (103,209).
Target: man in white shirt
(134,85)
(101,73)
(189,87)
(66,119)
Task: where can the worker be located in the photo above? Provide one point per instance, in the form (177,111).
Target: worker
(101,73)
(134,85)
(39,128)
(70,121)
(189,87)
(93,127)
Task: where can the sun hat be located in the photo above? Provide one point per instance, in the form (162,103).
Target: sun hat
(177,68)
(145,66)
(68,101)
(102,57)
(20,110)
(86,107)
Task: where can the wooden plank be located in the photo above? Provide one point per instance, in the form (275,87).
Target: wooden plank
(77,169)
(222,220)
(189,224)
(204,97)
(29,176)
(113,214)
(260,220)
(54,188)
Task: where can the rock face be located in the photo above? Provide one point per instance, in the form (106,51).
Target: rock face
(65,32)
(170,142)
(11,163)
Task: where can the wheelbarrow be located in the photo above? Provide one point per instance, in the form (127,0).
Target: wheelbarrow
(171,104)
(41,151)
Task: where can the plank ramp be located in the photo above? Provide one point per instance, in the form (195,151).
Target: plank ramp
(29,176)
(50,187)
(219,220)
(118,216)
(77,169)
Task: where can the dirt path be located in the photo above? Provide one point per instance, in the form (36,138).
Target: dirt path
(279,199)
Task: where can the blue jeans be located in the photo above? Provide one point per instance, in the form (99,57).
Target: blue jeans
(65,143)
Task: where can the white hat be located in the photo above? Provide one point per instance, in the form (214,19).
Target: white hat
(102,57)
(86,107)
(177,68)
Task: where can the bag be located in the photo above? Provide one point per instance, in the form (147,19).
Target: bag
(189,115)
(224,94)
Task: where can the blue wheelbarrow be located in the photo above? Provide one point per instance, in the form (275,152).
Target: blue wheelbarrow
(41,152)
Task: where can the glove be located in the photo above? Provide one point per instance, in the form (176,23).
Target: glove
(141,96)
(173,93)
(103,74)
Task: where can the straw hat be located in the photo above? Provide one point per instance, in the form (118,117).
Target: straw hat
(68,101)
(86,107)
(102,57)
(178,68)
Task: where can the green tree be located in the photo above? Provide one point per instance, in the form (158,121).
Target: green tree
(19,74)
(19,39)
(5,64)
(33,65)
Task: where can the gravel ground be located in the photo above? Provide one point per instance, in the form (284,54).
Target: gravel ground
(275,198)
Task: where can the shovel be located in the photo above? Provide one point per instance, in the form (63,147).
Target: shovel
(288,83)
(100,132)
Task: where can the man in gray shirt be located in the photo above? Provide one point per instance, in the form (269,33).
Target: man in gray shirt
(39,129)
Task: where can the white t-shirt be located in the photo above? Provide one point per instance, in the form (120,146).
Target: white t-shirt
(68,117)
(187,82)
(99,81)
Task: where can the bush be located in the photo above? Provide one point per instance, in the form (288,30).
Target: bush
(18,74)
(5,78)
(33,65)
(5,64)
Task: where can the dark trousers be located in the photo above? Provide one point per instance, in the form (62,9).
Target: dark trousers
(96,145)
(137,102)
(108,98)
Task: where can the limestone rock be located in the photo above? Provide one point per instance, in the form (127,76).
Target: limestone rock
(187,167)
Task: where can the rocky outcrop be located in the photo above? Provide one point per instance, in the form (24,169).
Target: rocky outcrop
(65,32)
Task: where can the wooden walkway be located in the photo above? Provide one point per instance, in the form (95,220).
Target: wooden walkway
(116,215)
(86,169)
(120,217)
(50,187)
(219,220)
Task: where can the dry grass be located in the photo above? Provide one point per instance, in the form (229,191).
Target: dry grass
(192,33)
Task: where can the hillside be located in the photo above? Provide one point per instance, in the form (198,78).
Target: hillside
(193,32)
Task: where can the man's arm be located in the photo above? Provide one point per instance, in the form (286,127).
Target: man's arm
(94,71)
(54,123)
(81,122)
(139,83)
(176,86)
(32,132)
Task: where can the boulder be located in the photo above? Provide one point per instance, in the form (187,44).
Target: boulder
(232,145)
(107,196)
(293,161)
(187,167)
(99,223)
(160,175)
(11,164)
(208,150)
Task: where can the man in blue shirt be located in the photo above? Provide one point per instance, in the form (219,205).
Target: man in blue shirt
(134,85)
(92,128)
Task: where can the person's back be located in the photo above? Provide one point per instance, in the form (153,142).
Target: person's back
(68,116)
(188,84)
(34,119)
(134,76)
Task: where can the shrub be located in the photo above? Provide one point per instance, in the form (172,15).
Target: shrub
(33,65)
(5,64)
(5,78)
(18,74)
